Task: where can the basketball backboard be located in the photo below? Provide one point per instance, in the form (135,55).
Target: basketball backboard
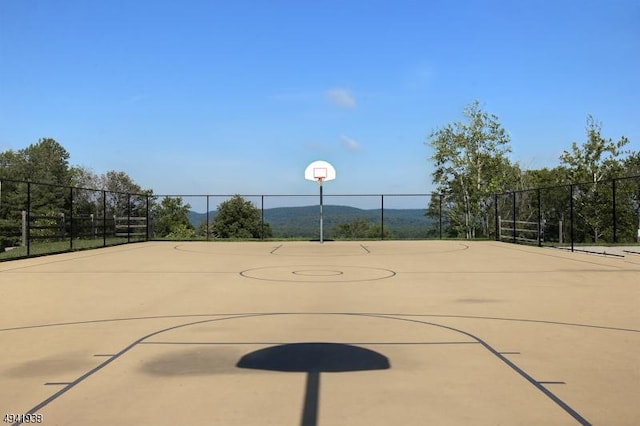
(320,171)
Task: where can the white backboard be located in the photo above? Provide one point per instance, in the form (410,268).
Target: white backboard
(320,171)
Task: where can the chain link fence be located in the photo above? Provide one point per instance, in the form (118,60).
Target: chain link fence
(582,216)
(38,218)
(282,217)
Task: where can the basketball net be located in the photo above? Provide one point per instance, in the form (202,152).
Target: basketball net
(319,180)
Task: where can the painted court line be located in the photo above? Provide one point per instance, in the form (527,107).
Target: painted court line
(468,319)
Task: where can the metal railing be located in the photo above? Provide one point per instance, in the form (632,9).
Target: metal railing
(569,216)
(346,216)
(40,218)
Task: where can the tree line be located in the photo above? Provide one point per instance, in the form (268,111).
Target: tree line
(40,177)
(471,160)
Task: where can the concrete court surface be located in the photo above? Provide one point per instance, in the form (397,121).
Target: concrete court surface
(340,333)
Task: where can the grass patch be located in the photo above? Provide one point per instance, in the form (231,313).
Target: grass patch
(53,247)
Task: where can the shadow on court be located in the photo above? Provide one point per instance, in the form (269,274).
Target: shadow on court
(313,359)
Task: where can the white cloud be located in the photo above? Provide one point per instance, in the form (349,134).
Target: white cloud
(341,97)
(351,144)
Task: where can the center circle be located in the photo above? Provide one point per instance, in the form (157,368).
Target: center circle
(317,273)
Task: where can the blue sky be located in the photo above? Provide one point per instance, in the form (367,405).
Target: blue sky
(238,97)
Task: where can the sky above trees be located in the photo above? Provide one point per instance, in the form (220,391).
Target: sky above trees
(238,97)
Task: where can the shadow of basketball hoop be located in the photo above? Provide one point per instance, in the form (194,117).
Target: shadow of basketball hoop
(313,359)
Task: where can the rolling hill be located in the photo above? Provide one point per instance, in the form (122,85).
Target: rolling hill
(303,222)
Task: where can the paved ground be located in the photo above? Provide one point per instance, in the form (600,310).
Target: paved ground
(344,333)
(606,250)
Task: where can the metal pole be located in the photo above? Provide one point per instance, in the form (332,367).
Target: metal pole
(71,220)
(23,242)
(382,217)
(497,219)
(262,217)
(104,218)
(539,219)
(615,221)
(440,213)
(571,214)
(321,224)
(128,218)
(207,230)
(147,220)
(514,217)
(28,227)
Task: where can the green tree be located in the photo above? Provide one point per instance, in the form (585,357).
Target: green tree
(84,177)
(628,200)
(356,228)
(203,230)
(592,165)
(376,230)
(631,165)
(359,229)
(547,186)
(124,196)
(470,164)
(45,161)
(543,178)
(171,219)
(597,159)
(41,171)
(117,181)
(181,232)
(87,196)
(238,218)
(118,185)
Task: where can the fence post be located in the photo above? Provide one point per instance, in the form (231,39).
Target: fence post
(128,217)
(540,229)
(147,221)
(28,221)
(571,233)
(514,217)
(440,213)
(62,227)
(104,218)
(71,219)
(207,229)
(497,219)
(615,221)
(24,228)
(381,217)
(261,217)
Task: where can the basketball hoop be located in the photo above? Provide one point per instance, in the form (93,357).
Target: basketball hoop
(320,171)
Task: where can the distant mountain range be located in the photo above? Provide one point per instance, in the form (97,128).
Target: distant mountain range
(303,222)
